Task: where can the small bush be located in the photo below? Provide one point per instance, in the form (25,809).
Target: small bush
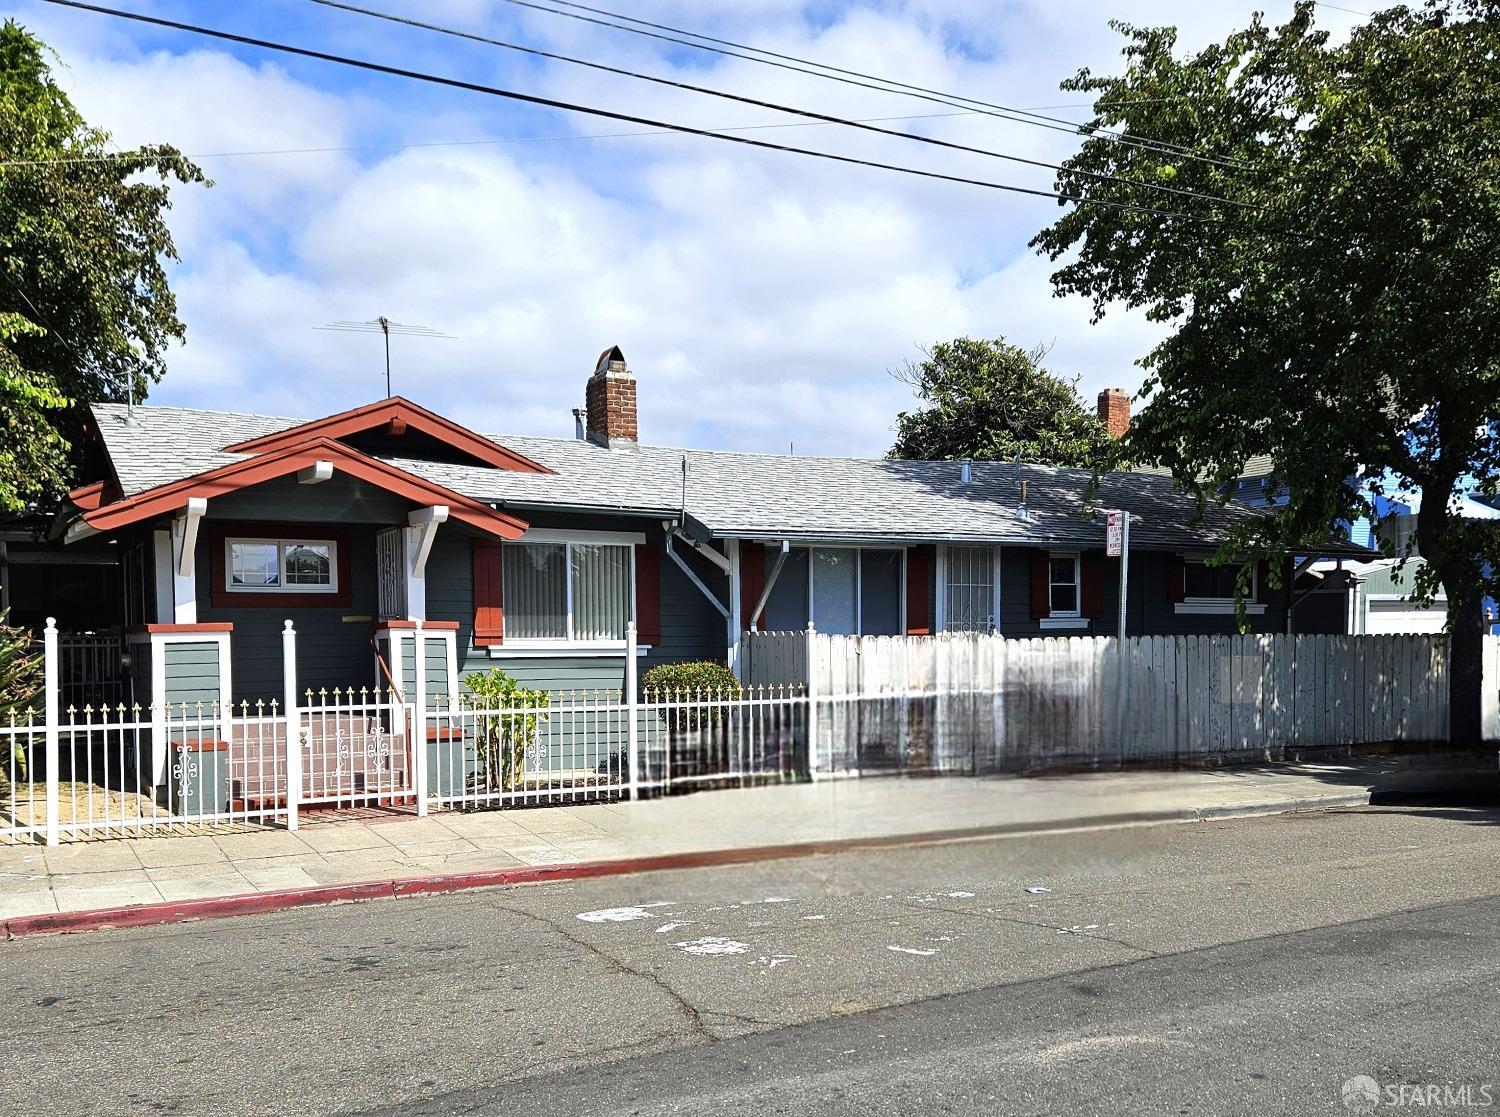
(705,682)
(689,680)
(503,738)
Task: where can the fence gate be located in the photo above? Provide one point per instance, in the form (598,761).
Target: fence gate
(358,748)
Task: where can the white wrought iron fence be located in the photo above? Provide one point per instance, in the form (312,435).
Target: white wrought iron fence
(571,746)
(356,748)
(101,772)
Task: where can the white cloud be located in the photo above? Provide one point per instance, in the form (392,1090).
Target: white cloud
(760,297)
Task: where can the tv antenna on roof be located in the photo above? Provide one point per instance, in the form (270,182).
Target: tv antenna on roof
(384,325)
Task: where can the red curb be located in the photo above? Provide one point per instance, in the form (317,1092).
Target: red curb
(186,911)
(284,899)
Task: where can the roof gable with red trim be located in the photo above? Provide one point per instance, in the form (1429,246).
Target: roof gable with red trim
(397,419)
(286,460)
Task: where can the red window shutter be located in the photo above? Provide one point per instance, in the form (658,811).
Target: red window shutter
(489,604)
(1176,573)
(1041,584)
(648,593)
(918,598)
(1091,586)
(752,579)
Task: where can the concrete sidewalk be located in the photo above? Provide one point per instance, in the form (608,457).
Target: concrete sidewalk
(385,846)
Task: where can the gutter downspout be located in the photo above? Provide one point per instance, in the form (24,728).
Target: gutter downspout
(765,594)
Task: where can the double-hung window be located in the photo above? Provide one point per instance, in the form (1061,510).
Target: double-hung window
(568,592)
(1062,585)
(281,566)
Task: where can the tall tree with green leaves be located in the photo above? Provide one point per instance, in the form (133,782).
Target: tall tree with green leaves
(992,401)
(1331,282)
(85,310)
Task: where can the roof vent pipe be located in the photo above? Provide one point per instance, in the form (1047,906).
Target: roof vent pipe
(965,474)
(579,432)
(1021,512)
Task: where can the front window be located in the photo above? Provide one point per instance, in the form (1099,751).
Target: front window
(1202,582)
(567,591)
(845,591)
(282,565)
(1063,585)
(969,591)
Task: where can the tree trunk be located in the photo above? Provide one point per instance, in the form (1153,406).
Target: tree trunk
(1465,665)
(1459,572)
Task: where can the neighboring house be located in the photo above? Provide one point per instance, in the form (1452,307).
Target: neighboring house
(532,554)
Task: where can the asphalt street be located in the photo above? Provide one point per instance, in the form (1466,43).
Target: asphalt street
(1249,966)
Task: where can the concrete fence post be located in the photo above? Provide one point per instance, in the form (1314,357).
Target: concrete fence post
(293,731)
(52,701)
(632,714)
(419,719)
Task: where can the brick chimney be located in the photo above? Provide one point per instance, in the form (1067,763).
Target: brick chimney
(1114,411)
(610,401)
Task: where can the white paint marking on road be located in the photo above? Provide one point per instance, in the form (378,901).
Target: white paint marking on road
(912,950)
(712,945)
(773,960)
(674,926)
(960,895)
(1037,888)
(622,915)
(814,917)
(777,900)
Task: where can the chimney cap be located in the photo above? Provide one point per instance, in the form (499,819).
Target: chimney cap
(610,356)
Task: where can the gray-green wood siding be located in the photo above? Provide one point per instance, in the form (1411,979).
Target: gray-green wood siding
(191,672)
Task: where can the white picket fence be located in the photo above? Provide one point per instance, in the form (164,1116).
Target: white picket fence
(990,703)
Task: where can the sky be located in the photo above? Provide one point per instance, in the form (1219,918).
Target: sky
(762,299)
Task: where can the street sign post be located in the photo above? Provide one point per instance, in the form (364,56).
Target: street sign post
(1117,545)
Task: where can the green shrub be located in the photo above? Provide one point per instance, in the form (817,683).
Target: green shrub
(503,738)
(700,679)
(704,681)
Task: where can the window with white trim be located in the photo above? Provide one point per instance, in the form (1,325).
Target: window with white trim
(1211,589)
(281,565)
(568,592)
(969,589)
(846,591)
(1204,583)
(1062,586)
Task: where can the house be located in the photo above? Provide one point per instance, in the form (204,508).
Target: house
(533,554)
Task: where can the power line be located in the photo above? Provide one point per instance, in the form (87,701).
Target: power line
(888,85)
(548,102)
(775,106)
(339,148)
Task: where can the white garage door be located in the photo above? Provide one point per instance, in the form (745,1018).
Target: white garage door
(1386,617)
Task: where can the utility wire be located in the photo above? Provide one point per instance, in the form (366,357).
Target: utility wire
(548,102)
(340,148)
(775,106)
(864,81)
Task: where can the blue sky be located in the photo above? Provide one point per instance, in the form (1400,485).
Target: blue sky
(761,298)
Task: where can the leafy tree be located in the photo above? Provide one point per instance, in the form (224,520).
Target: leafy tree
(992,401)
(1338,307)
(85,310)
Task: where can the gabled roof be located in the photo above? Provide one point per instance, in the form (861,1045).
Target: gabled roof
(394,416)
(172,496)
(735,494)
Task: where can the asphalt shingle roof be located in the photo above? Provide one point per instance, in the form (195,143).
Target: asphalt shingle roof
(732,494)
